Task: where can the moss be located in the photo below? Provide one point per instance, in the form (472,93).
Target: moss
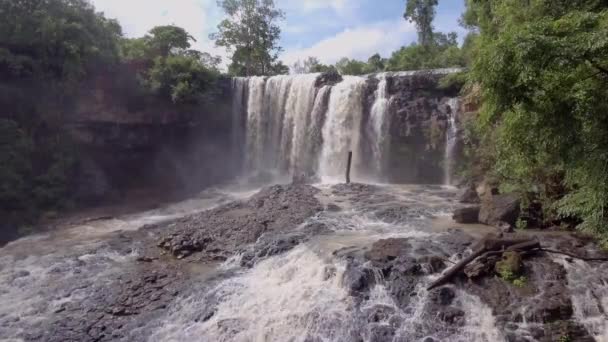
(510,268)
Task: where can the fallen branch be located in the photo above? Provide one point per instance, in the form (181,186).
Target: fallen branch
(572,255)
(492,246)
(488,246)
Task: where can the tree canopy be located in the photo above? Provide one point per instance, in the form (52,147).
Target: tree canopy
(251,32)
(422,13)
(542,67)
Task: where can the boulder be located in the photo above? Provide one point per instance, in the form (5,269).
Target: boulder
(469,196)
(496,209)
(466,215)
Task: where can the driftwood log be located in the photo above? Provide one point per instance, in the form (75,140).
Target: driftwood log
(494,246)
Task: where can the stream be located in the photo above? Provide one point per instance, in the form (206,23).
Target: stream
(330,285)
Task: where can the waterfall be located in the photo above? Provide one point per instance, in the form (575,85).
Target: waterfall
(303,126)
(451,140)
(341,132)
(238,96)
(380,127)
(256,128)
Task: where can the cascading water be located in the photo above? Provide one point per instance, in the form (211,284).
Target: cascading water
(380,126)
(451,140)
(341,132)
(303,126)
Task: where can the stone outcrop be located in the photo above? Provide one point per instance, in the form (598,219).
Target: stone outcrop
(466,215)
(219,233)
(131,141)
(499,208)
(420,111)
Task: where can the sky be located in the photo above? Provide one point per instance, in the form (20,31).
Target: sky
(326,29)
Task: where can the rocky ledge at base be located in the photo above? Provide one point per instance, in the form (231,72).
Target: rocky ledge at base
(535,306)
(219,233)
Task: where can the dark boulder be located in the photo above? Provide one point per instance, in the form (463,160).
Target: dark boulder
(469,196)
(384,251)
(328,78)
(466,215)
(499,208)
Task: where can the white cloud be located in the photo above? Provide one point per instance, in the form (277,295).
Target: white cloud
(137,17)
(340,7)
(359,42)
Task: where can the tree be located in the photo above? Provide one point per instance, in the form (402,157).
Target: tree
(182,79)
(166,39)
(61,39)
(251,32)
(422,13)
(346,66)
(306,66)
(542,70)
(376,64)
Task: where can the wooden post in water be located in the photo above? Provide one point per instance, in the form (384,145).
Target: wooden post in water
(350,160)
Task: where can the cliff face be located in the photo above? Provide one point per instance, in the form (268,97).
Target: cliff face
(129,140)
(420,111)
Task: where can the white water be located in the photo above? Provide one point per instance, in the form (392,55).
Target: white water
(380,127)
(300,296)
(341,132)
(451,140)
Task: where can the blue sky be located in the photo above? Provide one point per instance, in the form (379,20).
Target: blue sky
(327,29)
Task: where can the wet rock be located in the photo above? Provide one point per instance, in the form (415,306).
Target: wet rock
(269,245)
(443,296)
(388,250)
(219,233)
(466,215)
(510,264)
(451,315)
(379,313)
(499,208)
(328,78)
(332,208)
(358,279)
(381,333)
(481,267)
(469,196)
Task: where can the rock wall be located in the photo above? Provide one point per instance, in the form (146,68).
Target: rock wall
(128,140)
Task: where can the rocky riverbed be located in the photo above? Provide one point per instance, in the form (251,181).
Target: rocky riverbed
(293,263)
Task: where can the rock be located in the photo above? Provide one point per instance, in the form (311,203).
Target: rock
(505,228)
(332,208)
(451,315)
(510,265)
(328,78)
(357,279)
(480,267)
(499,208)
(387,250)
(469,196)
(219,233)
(466,215)
(443,296)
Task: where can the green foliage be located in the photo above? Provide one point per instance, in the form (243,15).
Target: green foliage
(521,224)
(183,79)
(542,67)
(310,65)
(454,81)
(347,66)
(444,53)
(61,39)
(165,40)
(134,48)
(422,13)
(251,32)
